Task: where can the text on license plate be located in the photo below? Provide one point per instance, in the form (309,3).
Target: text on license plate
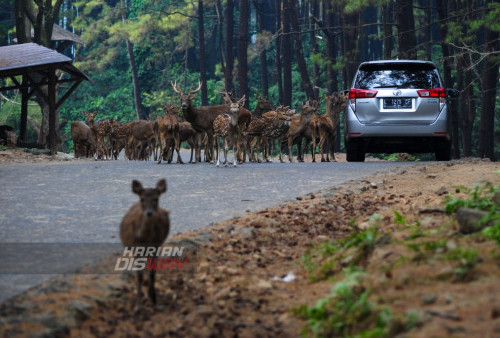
(397,103)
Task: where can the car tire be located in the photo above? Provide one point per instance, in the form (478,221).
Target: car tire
(443,151)
(355,151)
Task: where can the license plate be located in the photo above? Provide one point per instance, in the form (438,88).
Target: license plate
(397,103)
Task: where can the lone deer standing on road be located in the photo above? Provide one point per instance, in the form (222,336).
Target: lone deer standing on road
(146,225)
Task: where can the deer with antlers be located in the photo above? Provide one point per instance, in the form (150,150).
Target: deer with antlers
(325,126)
(201,118)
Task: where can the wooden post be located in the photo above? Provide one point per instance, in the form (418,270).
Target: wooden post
(24,109)
(52,109)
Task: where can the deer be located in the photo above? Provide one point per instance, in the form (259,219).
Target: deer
(201,118)
(299,128)
(167,128)
(226,126)
(146,224)
(100,130)
(244,117)
(325,126)
(141,141)
(84,142)
(260,127)
(280,131)
(263,106)
(118,137)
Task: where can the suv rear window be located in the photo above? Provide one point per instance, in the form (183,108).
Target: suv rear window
(400,75)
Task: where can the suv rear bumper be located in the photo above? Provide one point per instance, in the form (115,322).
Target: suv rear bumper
(356,129)
(394,138)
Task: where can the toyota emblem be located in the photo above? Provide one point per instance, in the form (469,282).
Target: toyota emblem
(397,92)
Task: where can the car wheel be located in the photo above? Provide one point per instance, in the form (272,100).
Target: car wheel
(355,152)
(443,151)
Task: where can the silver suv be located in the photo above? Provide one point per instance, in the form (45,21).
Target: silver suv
(397,106)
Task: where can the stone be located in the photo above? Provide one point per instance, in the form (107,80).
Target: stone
(468,220)
(428,299)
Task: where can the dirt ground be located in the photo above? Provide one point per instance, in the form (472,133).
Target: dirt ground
(250,276)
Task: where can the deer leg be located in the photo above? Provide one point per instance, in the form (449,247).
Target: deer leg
(163,146)
(314,145)
(266,150)
(226,148)
(138,300)
(216,154)
(151,286)
(236,149)
(178,147)
(300,156)
(290,145)
(280,149)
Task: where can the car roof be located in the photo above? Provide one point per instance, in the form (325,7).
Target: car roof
(379,62)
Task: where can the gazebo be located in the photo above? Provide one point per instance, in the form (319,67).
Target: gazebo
(37,66)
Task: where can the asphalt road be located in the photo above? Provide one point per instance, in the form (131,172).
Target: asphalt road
(83,202)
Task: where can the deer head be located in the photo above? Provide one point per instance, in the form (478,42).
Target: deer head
(90,117)
(149,197)
(186,98)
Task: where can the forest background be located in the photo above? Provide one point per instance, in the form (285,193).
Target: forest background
(286,50)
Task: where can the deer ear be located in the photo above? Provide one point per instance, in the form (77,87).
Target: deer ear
(161,186)
(136,187)
(241,102)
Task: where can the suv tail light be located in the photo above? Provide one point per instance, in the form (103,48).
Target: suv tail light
(434,92)
(355,93)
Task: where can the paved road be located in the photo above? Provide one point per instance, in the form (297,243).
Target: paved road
(83,202)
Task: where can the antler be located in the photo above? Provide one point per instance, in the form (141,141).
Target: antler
(226,97)
(196,90)
(241,101)
(176,89)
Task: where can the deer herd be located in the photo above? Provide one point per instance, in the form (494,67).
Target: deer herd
(247,133)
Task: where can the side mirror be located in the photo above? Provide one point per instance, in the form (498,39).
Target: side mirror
(452,92)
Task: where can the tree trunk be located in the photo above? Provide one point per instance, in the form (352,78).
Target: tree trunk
(304,74)
(286,51)
(229,21)
(467,110)
(201,43)
(42,18)
(406,29)
(133,69)
(350,48)
(263,55)
(442,13)
(489,89)
(279,68)
(314,45)
(242,51)
(387,26)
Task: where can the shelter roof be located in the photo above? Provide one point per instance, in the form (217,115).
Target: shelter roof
(28,57)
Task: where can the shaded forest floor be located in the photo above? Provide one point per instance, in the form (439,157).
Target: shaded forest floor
(262,274)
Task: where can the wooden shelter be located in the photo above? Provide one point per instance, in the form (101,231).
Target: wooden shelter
(37,66)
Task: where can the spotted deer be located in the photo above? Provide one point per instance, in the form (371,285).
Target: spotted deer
(324,126)
(260,127)
(226,127)
(118,137)
(280,131)
(100,130)
(146,225)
